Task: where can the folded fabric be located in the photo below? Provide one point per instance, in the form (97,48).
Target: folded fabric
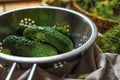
(93,65)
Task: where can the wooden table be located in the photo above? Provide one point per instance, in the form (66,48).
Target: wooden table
(6,5)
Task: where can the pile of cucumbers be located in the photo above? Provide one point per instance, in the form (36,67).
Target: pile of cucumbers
(38,41)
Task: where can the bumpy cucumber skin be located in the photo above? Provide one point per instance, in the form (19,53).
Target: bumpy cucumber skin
(27,48)
(20,29)
(10,41)
(62,30)
(48,35)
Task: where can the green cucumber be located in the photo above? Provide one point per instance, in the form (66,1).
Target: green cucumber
(21,46)
(49,35)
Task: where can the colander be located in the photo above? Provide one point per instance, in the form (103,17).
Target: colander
(82,29)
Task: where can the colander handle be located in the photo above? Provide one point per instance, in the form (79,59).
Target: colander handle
(29,71)
(11,71)
(32,71)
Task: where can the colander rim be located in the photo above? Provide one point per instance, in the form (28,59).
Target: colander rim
(59,57)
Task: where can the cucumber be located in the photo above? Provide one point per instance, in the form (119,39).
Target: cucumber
(50,36)
(62,30)
(21,46)
(20,29)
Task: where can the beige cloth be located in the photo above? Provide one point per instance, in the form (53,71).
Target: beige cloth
(93,65)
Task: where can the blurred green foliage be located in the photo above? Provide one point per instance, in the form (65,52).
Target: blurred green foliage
(104,8)
(111,40)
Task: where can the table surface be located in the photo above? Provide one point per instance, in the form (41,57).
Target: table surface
(6,5)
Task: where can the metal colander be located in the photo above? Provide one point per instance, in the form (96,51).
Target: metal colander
(82,29)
